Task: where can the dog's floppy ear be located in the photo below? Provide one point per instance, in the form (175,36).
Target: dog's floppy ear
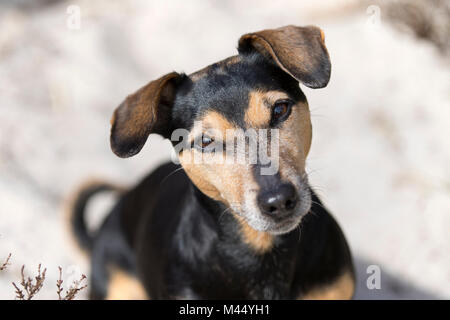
(143,112)
(299,51)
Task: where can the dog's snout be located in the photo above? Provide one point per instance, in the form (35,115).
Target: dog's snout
(278,202)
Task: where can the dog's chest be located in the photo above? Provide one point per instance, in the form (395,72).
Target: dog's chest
(214,281)
(243,274)
(265,277)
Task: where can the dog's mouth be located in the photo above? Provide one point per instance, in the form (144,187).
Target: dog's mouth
(285,226)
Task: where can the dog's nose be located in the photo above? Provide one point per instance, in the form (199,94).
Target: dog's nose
(278,202)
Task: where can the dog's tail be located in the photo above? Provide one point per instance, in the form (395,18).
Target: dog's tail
(77,208)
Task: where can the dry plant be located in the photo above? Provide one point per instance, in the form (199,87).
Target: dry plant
(73,289)
(28,287)
(6,263)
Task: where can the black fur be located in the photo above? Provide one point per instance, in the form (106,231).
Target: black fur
(176,240)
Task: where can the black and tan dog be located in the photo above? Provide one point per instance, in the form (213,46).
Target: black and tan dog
(213,231)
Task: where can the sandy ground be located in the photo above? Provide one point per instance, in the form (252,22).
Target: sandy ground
(380,149)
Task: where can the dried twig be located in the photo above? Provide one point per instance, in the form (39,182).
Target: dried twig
(73,289)
(28,286)
(19,293)
(6,263)
(59,284)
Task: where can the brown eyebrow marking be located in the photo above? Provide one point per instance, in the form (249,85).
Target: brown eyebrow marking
(211,120)
(257,113)
(214,119)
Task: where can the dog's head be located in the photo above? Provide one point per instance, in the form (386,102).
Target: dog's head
(252,97)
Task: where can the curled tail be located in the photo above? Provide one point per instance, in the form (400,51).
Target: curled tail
(78,208)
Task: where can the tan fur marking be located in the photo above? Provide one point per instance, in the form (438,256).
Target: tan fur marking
(113,119)
(259,107)
(322,35)
(196,174)
(214,119)
(123,286)
(341,289)
(257,114)
(260,241)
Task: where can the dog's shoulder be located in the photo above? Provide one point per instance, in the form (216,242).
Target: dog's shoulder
(324,256)
(164,184)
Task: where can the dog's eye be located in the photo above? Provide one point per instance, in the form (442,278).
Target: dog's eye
(206,141)
(281,110)
(203,143)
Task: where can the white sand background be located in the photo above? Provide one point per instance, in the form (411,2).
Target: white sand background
(380,155)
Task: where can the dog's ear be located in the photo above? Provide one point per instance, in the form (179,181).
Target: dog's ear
(143,112)
(299,51)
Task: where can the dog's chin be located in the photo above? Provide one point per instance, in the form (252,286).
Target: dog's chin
(273,227)
(285,226)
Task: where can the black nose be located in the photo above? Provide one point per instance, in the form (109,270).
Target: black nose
(278,202)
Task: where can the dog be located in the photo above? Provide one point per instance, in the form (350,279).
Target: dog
(222,230)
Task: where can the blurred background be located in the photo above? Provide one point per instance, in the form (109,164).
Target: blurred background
(380,154)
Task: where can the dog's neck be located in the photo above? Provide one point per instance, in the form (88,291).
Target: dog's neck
(212,206)
(211,233)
